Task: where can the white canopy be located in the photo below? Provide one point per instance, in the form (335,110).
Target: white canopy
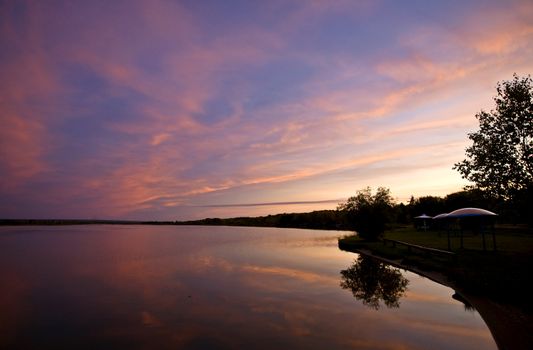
(464,212)
(441,216)
(423,216)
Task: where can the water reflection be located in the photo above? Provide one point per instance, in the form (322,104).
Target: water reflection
(372,281)
(168,287)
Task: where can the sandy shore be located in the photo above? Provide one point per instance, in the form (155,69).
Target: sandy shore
(511,328)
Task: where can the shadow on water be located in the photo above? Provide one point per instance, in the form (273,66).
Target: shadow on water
(372,281)
(466,303)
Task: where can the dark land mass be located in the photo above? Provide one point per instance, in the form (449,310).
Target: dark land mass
(320,220)
(497,283)
(323,220)
(51,222)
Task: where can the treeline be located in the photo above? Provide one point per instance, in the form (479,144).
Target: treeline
(518,210)
(402,214)
(322,219)
(58,222)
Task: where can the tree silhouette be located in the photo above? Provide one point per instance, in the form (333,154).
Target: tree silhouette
(500,160)
(372,281)
(368,214)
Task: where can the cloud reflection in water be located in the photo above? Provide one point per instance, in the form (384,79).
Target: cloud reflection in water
(170,287)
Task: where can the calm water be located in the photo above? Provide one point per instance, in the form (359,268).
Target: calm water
(168,287)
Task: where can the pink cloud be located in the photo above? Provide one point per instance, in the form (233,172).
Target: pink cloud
(21,149)
(29,88)
(496,32)
(170,149)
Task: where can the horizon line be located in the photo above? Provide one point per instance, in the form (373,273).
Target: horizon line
(269,203)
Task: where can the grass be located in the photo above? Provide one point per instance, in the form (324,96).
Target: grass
(504,275)
(508,239)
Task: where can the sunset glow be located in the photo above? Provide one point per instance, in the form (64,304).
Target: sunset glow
(175,110)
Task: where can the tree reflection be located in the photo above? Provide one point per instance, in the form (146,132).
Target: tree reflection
(371,281)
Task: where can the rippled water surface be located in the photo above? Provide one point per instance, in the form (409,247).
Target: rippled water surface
(168,287)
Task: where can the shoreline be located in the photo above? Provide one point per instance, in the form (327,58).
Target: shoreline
(510,328)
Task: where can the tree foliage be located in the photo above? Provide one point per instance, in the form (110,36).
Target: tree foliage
(368,214)
(500,160)
(429,205)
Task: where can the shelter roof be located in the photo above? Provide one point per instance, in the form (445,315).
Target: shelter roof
(423,216)
(464,212)
(441,216)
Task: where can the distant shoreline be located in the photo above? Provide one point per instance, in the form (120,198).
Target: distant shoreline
(317,220)
(75,222)
(60,222)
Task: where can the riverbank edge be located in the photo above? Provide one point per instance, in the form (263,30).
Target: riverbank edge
(510,327)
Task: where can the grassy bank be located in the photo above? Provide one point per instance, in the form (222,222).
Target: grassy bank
(503,275)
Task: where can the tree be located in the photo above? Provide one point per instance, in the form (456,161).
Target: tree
(429,205)
(468,198)
(368,214)
(500,160)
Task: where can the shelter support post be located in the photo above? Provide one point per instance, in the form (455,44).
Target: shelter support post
(493,238)
(449,242)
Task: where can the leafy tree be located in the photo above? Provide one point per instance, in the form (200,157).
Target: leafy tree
(368,214)
(468,198)
(500,160)
(429,205)
(401,214)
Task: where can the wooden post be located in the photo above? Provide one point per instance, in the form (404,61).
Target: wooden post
(449,242)
(493,237)
(461,229)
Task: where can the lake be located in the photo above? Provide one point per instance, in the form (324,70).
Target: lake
(199,287)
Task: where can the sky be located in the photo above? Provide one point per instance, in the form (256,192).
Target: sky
(178,110)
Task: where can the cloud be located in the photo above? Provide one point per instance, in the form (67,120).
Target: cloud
(497,32)
(21,150)
(170,106)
